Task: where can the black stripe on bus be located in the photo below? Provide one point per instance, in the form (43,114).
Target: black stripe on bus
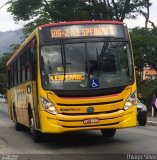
(84,104)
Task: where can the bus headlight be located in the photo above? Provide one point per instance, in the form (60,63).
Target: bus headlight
(130,101)
(48,106)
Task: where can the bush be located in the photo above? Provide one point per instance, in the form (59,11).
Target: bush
(148,89)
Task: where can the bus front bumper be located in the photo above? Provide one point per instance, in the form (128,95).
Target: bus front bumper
(67,123)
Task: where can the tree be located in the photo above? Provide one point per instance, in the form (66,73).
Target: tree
(146,5)
(3,73)
(144,48)
(148,89)
(46,11)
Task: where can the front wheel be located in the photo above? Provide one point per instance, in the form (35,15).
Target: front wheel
(36,135)
(108,132)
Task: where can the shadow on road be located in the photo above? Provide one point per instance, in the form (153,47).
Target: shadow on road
(77,139)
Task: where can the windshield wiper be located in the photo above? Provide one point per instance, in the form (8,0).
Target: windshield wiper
(63,59)
(103,51)
(87,63)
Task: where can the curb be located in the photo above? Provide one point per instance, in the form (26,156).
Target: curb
(152,123)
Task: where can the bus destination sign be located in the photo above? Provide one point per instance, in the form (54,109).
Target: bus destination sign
(77,31)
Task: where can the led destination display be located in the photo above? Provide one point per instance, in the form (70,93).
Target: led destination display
(92,30)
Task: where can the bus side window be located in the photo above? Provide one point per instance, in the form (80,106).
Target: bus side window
(33,58)
(23,67)
(11,75)
(9,78)
(27,65)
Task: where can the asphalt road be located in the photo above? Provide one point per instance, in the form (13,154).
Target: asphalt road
(139,140)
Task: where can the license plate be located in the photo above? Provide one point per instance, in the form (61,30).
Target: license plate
(91,120)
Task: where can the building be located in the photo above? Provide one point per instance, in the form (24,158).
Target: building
(149,73)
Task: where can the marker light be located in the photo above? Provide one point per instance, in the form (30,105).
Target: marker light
(131,101)
(48,106)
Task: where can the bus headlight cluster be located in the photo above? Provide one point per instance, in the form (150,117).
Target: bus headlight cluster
(131,101)
(48,106)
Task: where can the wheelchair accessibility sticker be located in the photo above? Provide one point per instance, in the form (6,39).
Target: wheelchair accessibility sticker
(94,83)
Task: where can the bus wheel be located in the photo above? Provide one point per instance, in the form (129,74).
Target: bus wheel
(108,132)
(18,126)
(36,135)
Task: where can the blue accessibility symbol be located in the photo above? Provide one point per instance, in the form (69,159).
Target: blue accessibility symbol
(94,83)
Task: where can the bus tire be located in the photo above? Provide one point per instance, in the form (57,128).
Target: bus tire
(36,135)
(18,126)
(108,132)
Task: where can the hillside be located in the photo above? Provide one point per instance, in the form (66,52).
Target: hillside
(8,38)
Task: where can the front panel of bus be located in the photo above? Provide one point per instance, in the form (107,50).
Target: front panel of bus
(86,78)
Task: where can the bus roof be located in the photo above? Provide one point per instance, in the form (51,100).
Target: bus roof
(80,22)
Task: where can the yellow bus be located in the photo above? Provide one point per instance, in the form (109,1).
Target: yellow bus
(73,76)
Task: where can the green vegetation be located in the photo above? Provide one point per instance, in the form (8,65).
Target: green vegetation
(3,76)
(3,71)
(144,47)
(148,89)
(145,54)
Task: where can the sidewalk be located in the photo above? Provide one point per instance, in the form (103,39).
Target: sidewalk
(152,121)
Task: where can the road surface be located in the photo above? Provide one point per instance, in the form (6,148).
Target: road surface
(139,140)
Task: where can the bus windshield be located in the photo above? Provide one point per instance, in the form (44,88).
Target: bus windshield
(86,65)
